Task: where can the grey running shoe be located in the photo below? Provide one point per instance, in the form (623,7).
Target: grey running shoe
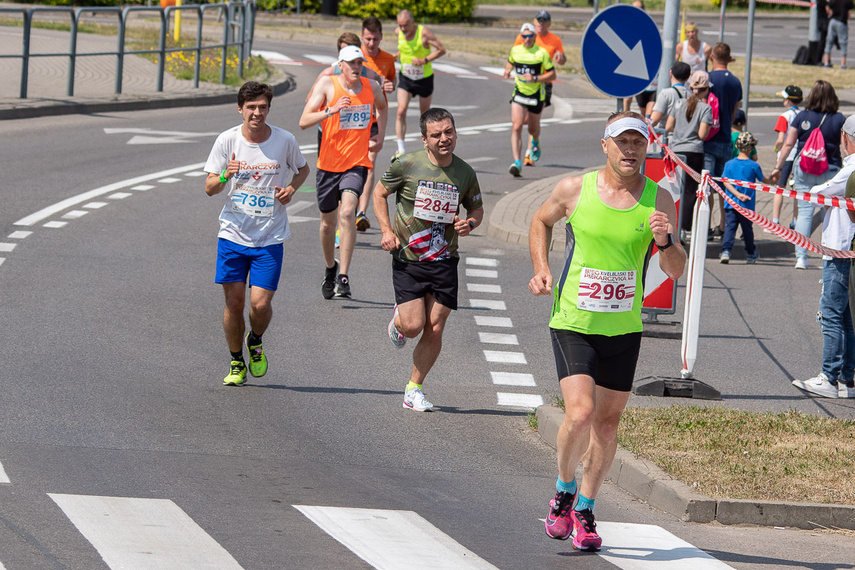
(415,400)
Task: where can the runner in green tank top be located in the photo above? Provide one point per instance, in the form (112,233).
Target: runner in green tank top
(430,186)
(416,78)
(615,216)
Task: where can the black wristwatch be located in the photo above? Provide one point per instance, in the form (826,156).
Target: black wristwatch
(667,245)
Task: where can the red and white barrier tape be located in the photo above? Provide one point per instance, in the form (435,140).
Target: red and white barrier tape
(789,2)
(834,201)
(783,232)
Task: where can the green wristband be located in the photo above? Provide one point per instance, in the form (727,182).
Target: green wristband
(223,178)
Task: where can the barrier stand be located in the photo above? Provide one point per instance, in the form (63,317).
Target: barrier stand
(686,386)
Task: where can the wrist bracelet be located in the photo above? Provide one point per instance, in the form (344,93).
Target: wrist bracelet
(223,178)
(471,224)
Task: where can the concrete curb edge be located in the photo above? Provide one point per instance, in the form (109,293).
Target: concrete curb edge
(654,486)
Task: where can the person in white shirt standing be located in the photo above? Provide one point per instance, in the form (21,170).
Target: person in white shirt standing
(693,51)
(838,337)
(253,160)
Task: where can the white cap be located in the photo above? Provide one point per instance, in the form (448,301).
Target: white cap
(527,27)
(849,126)
(350,53)
(626,124)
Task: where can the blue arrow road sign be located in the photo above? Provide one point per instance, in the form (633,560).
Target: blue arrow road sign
(621,50)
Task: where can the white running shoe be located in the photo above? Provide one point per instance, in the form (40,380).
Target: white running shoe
(801,263)
(398,340)
(843,391)
(818,385)
(415,399)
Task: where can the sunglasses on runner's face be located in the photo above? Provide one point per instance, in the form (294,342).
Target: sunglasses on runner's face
(527,36)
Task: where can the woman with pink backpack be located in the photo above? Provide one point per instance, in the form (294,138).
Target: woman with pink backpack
(815,132)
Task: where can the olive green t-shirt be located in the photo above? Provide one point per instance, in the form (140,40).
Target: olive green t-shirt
(427,197)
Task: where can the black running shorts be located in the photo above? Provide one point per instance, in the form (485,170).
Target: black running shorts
(415,279)
(330,186)
(609,360)
(416,87)
(531,103)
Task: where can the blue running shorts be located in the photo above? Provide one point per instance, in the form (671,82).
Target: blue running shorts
(262,264)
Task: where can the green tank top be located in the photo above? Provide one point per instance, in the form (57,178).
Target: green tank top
(414,49)
(601,288)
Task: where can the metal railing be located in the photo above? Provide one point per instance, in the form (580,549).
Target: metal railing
(238,30)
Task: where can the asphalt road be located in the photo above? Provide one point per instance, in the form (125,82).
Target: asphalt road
(115,358)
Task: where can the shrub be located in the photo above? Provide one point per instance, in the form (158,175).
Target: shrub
(423,10)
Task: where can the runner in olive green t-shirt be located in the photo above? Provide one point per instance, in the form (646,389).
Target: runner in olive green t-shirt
(429,186)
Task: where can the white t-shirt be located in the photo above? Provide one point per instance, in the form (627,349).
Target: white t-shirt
(252,216)
(698,62)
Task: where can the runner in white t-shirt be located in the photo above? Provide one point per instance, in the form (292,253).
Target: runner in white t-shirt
(252,160)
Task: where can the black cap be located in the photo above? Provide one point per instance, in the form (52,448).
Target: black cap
(792,92)
(543,16)
(739,118)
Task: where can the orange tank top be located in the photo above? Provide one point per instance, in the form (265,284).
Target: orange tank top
(345,135)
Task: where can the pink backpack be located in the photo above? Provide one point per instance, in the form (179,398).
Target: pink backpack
(814,159)
(712,101)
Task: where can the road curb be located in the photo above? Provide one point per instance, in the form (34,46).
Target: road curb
(654,486)
(285,84)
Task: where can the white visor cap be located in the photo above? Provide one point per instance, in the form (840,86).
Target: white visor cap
(626,124)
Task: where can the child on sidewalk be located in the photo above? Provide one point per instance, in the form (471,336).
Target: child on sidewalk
(745,169)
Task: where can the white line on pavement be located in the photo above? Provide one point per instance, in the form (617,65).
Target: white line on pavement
(143,533)
(505,357)
(485,273)
(482,261)
(3,479)
(498,338)
(487,304)
(388,539)
(512,379)
(483,321)
(7,247)
(483,288)
(519,400)
(20,235)
(649,547)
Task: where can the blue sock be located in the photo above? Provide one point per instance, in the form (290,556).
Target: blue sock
(584,503)
(561,486)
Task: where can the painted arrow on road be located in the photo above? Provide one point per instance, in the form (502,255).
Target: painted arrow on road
(632,62)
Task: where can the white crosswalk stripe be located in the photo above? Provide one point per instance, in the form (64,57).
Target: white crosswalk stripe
(649,547)
(143,533)
(389,540)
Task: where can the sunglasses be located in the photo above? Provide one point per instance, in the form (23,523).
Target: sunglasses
(527,36)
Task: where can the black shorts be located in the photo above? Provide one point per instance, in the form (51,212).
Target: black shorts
(416,87)
(414,279)
(330,186)
(786,171)
(547,101)
(374,129)
(531,103)
(644,98)
(609,360)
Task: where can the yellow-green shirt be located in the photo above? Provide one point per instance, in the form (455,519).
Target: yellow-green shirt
(533,60)
(410,50)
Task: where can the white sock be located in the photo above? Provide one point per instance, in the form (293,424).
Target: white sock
(401,148)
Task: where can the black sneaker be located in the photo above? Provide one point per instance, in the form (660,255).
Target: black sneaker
(328,286)
(342,286)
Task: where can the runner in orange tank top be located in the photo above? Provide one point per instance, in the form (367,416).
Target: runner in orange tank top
(344,105)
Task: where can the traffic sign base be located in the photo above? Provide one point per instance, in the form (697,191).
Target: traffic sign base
(675,388)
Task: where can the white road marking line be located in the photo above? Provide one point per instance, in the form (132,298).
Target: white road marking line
(45,213)
(505,357)
(649,547)
(487,304)
(500,71)
(449,68)
(298,219)
(496,130)
(324,59)
(119,195)
(483,288)
(520,401)
(20,235)
(482,321)
(498,338)
(275,57)
(2,259)
(55,224)
(480,159)
(3,479)
(7,247)
(74,214)
(485,273)
(471,77)
(482,261)
(95,205)
(491,251)
(143,533)
(388,539)
(512,379)
(169,180)
(143,187)
(196,174)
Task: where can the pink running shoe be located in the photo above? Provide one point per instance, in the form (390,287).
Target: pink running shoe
(558,522)
(585,535)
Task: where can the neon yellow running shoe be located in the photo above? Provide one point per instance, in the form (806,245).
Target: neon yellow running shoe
(257,360)
(237,374)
